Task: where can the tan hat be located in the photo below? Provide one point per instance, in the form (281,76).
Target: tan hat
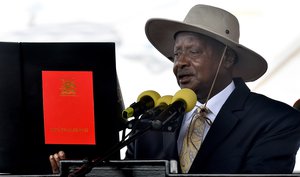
(215,23)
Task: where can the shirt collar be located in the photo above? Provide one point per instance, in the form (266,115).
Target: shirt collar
(215,103)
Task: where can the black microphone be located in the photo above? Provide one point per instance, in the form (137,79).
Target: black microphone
(162,103)
(183,101)
(146,119)
(146,100)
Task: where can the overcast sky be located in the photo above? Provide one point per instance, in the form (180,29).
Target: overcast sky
(268,27)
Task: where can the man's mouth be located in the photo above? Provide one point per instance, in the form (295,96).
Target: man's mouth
(184,78)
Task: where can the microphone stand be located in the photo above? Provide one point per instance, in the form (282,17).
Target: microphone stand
(87,167)
(165,120)
(157,124)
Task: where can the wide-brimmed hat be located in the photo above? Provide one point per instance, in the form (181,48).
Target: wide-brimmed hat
(215,23)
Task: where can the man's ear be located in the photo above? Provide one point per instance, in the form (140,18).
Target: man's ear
(230,58)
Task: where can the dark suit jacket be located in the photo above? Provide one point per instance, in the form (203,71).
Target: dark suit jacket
(251,134)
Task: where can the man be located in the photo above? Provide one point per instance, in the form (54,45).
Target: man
(246,132)
(243,132)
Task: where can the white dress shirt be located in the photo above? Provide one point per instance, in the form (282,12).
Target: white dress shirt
(214,105)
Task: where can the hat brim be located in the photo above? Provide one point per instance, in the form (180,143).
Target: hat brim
(160,32)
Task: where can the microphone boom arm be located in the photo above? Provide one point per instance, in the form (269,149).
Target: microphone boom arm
(88,166)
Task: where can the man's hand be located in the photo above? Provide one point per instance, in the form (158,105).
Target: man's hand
(54,160)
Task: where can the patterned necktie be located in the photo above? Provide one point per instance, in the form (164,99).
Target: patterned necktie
(193,139)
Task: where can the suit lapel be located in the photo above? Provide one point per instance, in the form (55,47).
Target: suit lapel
(220,129)
(225,121)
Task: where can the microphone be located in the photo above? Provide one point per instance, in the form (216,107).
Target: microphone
(162,103)
(183,101)
(146,100)
(146,119)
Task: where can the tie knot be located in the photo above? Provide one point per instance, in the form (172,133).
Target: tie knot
(202,111)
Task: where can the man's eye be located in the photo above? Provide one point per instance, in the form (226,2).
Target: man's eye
(176,54)
(194,52)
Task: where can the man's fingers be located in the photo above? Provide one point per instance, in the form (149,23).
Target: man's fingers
(55,159)
(61,155)
(54,166)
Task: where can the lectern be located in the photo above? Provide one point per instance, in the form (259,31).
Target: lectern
(124,168)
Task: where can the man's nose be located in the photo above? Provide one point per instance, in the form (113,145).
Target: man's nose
(182,60)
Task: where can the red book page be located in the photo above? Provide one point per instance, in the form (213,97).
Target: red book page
(68,107)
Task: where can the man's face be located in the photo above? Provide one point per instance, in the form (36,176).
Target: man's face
(196,59)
